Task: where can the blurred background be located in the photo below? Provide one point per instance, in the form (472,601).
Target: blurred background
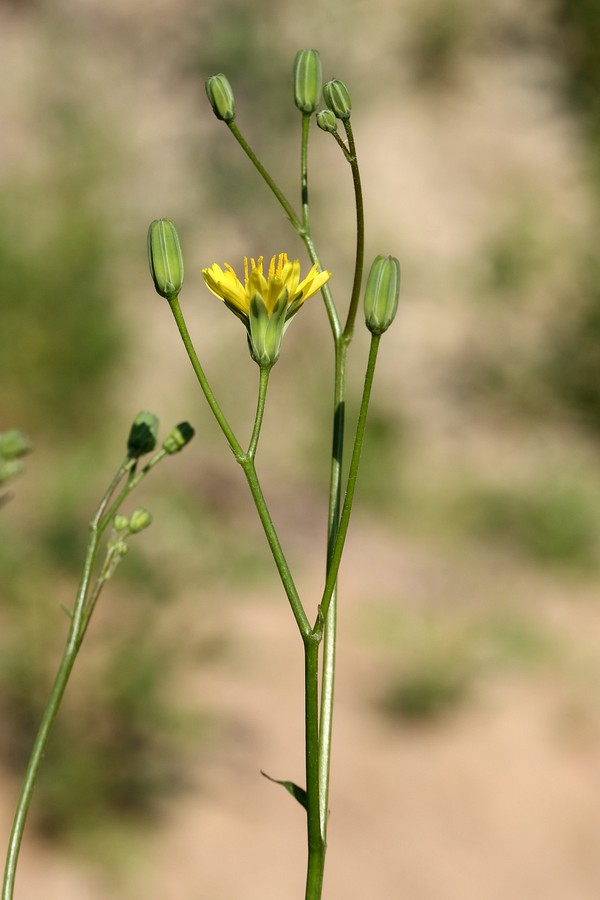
(467,731)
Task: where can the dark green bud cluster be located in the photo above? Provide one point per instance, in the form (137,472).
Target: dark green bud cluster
(381,294)
(308,79)
(142,436)
(327,121)
(221,97)
(337,98)
(178,438)
(165,258)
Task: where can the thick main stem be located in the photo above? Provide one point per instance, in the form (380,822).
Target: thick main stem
(316,838)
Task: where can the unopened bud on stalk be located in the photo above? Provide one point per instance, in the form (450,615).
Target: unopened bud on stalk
(381,294)
(178,438)
(165,258)
(308,79)
(139,519)
(221,97)
(142,436)
(121,522)
(337,98)
(327,121)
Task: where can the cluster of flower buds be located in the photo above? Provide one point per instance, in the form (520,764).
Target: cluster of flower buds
(143,436)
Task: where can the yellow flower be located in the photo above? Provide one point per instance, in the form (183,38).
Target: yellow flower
(264,305)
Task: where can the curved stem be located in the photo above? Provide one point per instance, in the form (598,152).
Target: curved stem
(285,203)
(202,379)
(351,484)
(360,233)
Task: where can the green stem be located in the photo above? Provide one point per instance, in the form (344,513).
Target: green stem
(285,203)
(298,226)
(360,233)
(304,171)
(202,379)
(316,840)
(351,484)
(33,767)
(330,628)
(74,638)
(260,411)
(275,546)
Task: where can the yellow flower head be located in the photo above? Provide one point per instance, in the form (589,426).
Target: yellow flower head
(264,305)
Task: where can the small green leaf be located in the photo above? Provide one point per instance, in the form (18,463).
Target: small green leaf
(297,793)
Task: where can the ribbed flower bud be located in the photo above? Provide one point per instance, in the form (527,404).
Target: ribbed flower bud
(266,328)
(121,522)
(381,294)
(308,80)
(139,519)
(337,98)
(221,97)
(165,258)
(142,436)
(178,438)
(13,444)
(327,121)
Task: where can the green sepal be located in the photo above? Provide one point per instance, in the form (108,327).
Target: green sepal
(297,792)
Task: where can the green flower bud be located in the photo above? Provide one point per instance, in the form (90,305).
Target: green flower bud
(165,258)
(337,98)
(178,438)
(327,121)
(139,519)
(142,436)
(308,79)
(221,97)
(381,294)
(266,329)
(121,522)
(13,444)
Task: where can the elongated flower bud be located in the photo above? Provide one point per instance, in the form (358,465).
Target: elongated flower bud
(221,97)
(381,294)
(327,121)
(165,258)
(308,79)
(178,438)
(142,436)
(337,98)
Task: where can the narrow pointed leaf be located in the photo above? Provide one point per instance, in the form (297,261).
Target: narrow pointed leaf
(297,793)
